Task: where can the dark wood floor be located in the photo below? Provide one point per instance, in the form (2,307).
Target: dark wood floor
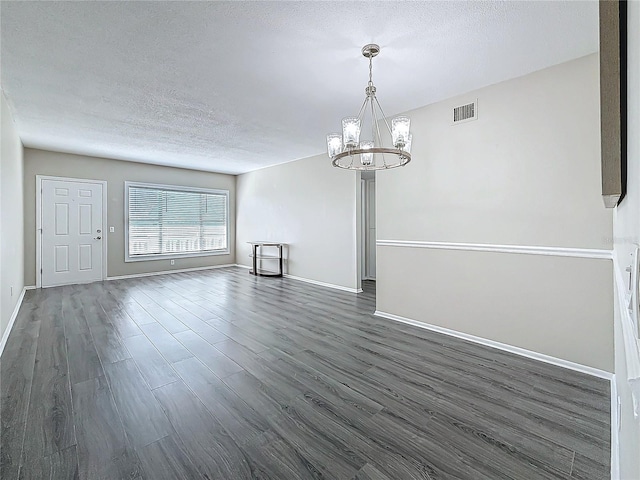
(223,375)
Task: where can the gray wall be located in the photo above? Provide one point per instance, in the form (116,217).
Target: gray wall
(558,306)
(11,214)
(626,238)
(115,172)
(526,173)
(309,205)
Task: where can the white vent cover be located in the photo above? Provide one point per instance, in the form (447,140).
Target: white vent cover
(465,113)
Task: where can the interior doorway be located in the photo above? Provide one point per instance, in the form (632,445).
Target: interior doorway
(368,216)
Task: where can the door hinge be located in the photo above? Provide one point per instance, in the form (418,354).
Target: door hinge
(40,271)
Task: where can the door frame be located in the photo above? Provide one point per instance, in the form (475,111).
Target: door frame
(363,229)
(369,182)
(39,179)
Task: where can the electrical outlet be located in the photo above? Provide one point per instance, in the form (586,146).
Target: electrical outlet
(173,262)
(112,229)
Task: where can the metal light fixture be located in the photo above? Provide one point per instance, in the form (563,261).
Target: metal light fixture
(347,151)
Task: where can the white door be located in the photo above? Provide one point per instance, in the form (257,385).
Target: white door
(72,232)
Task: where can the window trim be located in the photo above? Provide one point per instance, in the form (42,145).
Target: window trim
(172,255)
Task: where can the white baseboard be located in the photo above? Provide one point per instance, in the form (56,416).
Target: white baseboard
(166,272)
(324,284)
(314,282)
(615,428)
(12,320)
(501,346)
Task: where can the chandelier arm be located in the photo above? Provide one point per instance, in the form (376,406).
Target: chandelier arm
(373,125)
(384,160)
(364,104)
(384,117)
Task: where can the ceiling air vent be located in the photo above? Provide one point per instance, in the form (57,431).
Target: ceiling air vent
(465,113)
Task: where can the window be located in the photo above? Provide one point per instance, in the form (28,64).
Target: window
(165,221)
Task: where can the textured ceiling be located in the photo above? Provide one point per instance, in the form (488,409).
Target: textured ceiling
(236,86)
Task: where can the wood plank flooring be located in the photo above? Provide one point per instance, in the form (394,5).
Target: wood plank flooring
(222,375)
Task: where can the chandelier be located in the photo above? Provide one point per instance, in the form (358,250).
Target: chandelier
(348,151)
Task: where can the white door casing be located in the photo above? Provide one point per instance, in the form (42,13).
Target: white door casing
(72,243)
(363,229)
(371,229)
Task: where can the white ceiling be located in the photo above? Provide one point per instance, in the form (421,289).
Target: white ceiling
(236,86)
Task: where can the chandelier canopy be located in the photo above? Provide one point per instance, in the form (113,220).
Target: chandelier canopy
(348,151)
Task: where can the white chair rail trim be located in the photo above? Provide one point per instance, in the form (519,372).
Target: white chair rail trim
(487,247)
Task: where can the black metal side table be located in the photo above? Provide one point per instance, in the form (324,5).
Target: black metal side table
(258,253)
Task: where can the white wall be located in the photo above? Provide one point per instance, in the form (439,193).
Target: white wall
(526,173)
(626,237)
(309,205)
(11,217)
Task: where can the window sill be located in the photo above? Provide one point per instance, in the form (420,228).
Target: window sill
(170,256)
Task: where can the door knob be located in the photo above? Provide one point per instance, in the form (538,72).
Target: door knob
(98,238)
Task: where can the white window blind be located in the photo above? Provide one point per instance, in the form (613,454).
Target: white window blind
(175,221)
